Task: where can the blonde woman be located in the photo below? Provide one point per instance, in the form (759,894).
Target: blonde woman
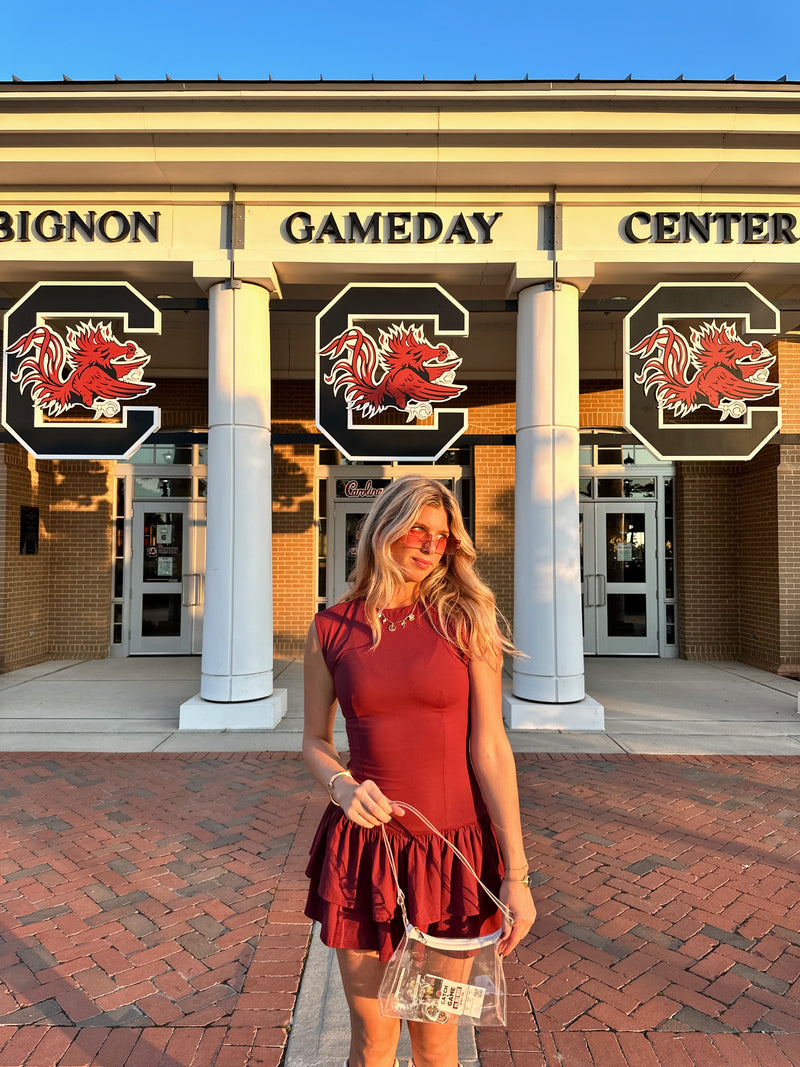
(413,655)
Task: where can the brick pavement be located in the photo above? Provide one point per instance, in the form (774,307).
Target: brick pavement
(150,911)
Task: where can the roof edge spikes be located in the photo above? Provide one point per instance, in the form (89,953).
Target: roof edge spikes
(524,86)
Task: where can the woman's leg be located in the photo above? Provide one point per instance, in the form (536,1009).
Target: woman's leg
(434,1044)
(373,1038)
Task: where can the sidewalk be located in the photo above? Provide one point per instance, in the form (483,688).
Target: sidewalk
(151,902)
(652,706)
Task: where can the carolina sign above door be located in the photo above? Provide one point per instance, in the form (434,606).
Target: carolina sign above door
(381,375)
(698,381)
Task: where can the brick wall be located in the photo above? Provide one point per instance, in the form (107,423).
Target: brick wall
(80,559)
(756,494)
(739,560)
(494,521)
(294,534)
(183,403)
(55,604)
(491,407)
(788,353)
(293,407)
(601,403)
(491,411)
(788,527)
(707,560)
(294,546)
(24,603)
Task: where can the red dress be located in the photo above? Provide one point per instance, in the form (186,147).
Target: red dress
(406,709)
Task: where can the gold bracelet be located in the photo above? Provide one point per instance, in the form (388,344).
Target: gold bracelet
(331,780)
(526,881)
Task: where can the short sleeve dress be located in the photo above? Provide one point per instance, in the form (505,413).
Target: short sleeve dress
(406,710)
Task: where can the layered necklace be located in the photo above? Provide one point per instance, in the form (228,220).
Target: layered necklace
(391,625)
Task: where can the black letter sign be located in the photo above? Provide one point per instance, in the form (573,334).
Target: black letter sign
(44,376)
(378,350)
(699,383)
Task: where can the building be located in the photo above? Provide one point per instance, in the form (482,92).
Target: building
(548,212)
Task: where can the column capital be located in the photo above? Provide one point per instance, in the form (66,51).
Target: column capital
(528,274)
(208,273)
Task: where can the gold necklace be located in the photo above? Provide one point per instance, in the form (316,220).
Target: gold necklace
(392,626)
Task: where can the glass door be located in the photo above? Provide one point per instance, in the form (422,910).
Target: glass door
(167,588)
(347,519)
(619,578)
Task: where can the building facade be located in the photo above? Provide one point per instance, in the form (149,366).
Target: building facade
(549,213)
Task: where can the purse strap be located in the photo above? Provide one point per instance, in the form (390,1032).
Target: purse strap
(401,897)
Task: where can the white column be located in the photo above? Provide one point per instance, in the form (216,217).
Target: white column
(548,690)
(236,686)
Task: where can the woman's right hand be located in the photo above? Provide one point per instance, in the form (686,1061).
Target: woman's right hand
(363,802)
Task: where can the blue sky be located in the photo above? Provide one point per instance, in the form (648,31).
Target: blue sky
(90,39)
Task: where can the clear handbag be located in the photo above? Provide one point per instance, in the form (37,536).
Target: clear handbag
(444,979)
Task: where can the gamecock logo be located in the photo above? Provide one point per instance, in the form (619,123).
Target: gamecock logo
(405,372)
(62,358)
(707,397)
(714,369)
(92,370)
(410,369)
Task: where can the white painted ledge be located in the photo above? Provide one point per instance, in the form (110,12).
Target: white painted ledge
(586,714)
(264,714)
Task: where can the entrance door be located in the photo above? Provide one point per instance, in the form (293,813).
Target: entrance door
(618,578)
(167,584)
(347,518)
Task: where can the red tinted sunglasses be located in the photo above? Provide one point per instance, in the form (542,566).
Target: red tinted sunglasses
(440,544)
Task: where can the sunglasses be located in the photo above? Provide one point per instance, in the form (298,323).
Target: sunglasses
(441,543)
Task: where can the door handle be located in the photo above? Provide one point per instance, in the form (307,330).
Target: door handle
(602,578)
(191,599)
(590,590)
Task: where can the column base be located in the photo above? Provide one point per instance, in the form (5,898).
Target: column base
(196,713)
(548,688)
(586,714)
(233,688)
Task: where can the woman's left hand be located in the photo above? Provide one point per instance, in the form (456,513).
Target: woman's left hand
(517,898)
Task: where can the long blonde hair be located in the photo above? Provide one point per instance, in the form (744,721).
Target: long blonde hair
(461,607)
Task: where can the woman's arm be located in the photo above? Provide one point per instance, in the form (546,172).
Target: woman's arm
(493,763)
(362,802)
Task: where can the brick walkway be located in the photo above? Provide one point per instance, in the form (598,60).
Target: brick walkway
(150,912)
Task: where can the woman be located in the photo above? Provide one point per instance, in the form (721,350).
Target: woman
(413,654)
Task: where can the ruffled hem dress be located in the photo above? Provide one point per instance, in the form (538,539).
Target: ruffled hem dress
(406,710)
